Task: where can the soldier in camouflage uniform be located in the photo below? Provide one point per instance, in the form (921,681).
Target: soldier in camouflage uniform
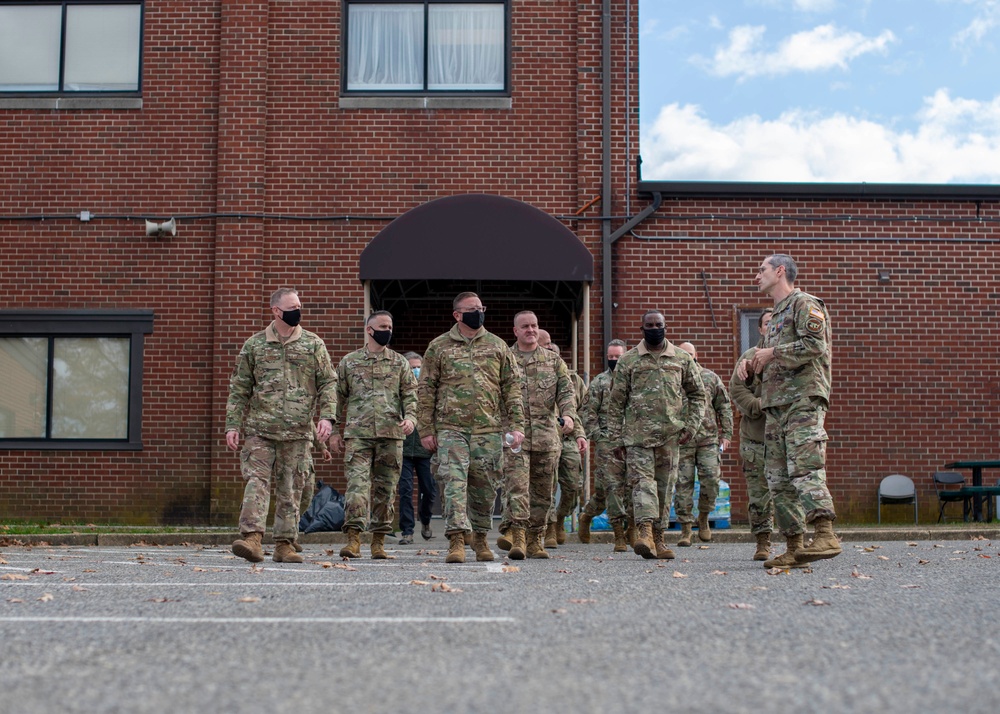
(647,424)
(467,373)
(283,376)
(701,457)
(547,395)
(794,364)
(747,399)
(377,389)
(570,473)
(609,471)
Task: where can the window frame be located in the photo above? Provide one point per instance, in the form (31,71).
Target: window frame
(61,92)
(133,324)
(746,326)
(425,91)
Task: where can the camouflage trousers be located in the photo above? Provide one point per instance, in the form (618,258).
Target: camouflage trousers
(542,469)
(699,461)
(651,472)
(470,471)
(289,463)
(514,499)
(570,480)
(372,469)
(761,508)
(795,463)
(610,491)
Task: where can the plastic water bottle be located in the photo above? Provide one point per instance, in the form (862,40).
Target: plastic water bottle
(508,440)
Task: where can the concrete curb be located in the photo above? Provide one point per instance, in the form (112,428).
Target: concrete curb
(728,535)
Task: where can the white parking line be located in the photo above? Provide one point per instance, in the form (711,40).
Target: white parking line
(167,583)
(266,620)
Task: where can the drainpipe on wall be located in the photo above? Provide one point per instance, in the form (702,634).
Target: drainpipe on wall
(607,237)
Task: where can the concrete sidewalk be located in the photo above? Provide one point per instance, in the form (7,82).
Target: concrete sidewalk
(737,534)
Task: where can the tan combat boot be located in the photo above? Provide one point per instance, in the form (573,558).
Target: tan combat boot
(621,542)
(644,545)
(549,536)
(662,551)
(686,535)
(763,551)
(560,525)
(481,547)
(295,544)
(285,553)
(353,547)
(631,533)
(518,546)
(536,545)
(704,532)
(378,546)
(793,544)
(248,547)
(456,548)
(504,542)
(824,543)
(584,532)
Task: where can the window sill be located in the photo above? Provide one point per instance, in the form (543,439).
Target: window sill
(70,102)
(425,103)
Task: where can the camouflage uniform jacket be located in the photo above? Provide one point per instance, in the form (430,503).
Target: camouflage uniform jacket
(717,422)
(547,393)
(646,403)
(579,394)
(463,382)
(800,334)
(378,390)
(276,387)
(748,402)
(593,413)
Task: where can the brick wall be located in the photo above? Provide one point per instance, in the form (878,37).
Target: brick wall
(241,121)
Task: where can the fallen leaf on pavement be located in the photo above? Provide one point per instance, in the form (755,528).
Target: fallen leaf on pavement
(775,571)
(563,570)
(581,600)
(923,562)
(249,599)
(857,574)
(47,597)
(883,557)
(741,606)
(14,599)
(679,575)
(14,576)
(344,566)
(39,571)
(437,577)
(445,588)
(161,599)
(911,543)
(815,602)
(560,611)
(510,569)
(419,582)
(719,572)
(323,563)
(910,586)
(78,588)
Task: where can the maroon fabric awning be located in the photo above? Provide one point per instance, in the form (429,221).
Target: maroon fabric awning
(476,237)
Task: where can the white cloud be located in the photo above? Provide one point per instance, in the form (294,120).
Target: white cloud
(815,5)
(955,141)
(821,48)
(987,18)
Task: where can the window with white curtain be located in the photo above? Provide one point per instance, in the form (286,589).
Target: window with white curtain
(70,47)
(426,46)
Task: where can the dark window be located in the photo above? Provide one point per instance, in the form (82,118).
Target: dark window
(425,47)
(70,47)
(749,334)
(72,379)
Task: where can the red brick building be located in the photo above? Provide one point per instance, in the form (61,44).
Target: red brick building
(284,136)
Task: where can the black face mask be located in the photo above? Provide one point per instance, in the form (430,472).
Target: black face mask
(612,363)
(382,336)
(654,336)
(291,317)
(474,320)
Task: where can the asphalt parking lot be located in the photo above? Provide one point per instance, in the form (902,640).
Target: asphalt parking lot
(890,626)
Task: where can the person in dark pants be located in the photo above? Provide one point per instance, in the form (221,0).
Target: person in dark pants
(416,459)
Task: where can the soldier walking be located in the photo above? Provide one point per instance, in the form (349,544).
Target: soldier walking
(747,399)
(701,458)
(647,423)
(610,490)
(377,389)
(467,373)
(795,367)
(283,375)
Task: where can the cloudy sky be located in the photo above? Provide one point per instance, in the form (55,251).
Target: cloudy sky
(878,91)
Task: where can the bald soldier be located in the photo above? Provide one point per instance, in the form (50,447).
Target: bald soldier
(467,374)
(647,423)
(794,366)
(700,457)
